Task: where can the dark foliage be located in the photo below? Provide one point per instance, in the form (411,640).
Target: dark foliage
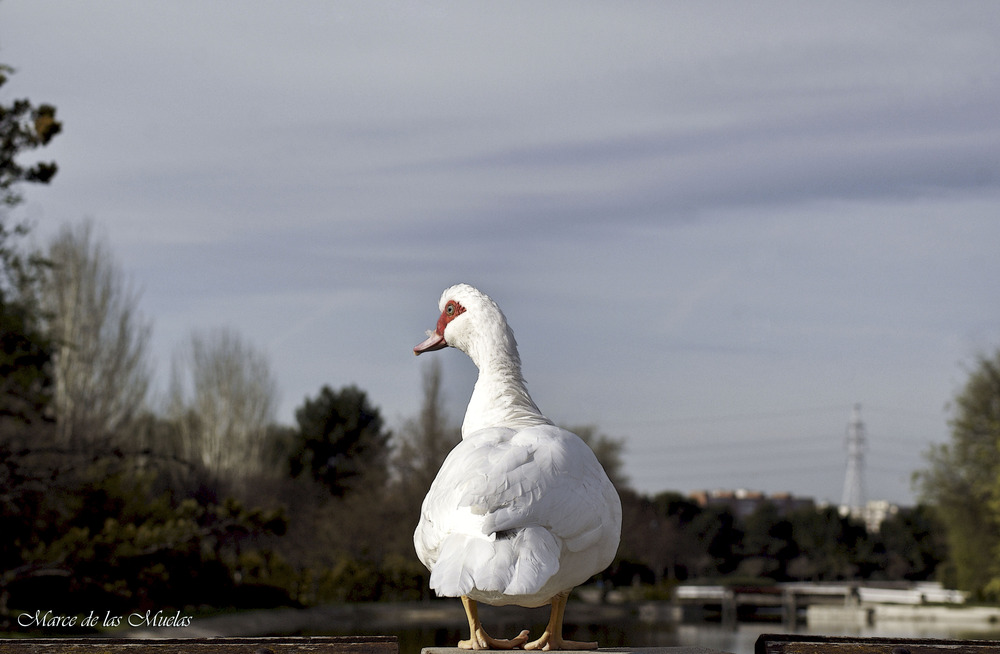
(25,352)
(668,538)
(23,127)
(340,442)
(90,530)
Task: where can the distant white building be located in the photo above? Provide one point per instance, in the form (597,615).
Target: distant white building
(873,513)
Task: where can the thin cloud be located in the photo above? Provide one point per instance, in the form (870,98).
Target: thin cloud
(685,209)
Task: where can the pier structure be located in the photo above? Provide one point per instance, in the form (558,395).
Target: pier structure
(793,600)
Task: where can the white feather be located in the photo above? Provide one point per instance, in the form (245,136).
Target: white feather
(521,510)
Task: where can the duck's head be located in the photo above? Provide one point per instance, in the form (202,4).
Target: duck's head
(471,322)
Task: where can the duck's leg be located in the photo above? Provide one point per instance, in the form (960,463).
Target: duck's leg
(479,639)
(552,638)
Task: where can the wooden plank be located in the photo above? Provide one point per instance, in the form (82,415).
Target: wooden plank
(803,644)
(603,650)
(313,645)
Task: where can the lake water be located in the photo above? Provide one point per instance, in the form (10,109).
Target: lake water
(626,629)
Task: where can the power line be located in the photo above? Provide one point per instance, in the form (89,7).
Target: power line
(732,417)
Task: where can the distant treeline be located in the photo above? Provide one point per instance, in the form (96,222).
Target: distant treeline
(329,518)
(671,538)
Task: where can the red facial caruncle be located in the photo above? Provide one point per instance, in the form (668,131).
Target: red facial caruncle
(451,310)
(435,341)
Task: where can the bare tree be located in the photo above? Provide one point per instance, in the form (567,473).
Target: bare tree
(101,363)
(426,440)
(608,450)
(222,397)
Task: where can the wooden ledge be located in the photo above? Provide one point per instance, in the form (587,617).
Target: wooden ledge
(611,650)
(313,645)
(802,644)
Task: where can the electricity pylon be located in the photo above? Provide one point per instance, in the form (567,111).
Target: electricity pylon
(853,500)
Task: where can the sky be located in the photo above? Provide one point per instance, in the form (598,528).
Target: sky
(714,227)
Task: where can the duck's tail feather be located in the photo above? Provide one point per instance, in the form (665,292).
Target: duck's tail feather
(514,563)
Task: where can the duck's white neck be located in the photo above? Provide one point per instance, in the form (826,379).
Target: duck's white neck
(500,398)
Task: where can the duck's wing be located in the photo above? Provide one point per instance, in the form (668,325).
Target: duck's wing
(546,476)
(504,506)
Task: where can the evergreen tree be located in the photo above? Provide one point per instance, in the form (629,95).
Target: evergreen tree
(25,352)
(341,442)
(23,127)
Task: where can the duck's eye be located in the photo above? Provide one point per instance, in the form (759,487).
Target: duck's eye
(450,309)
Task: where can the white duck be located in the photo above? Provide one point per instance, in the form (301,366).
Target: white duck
(521,511)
